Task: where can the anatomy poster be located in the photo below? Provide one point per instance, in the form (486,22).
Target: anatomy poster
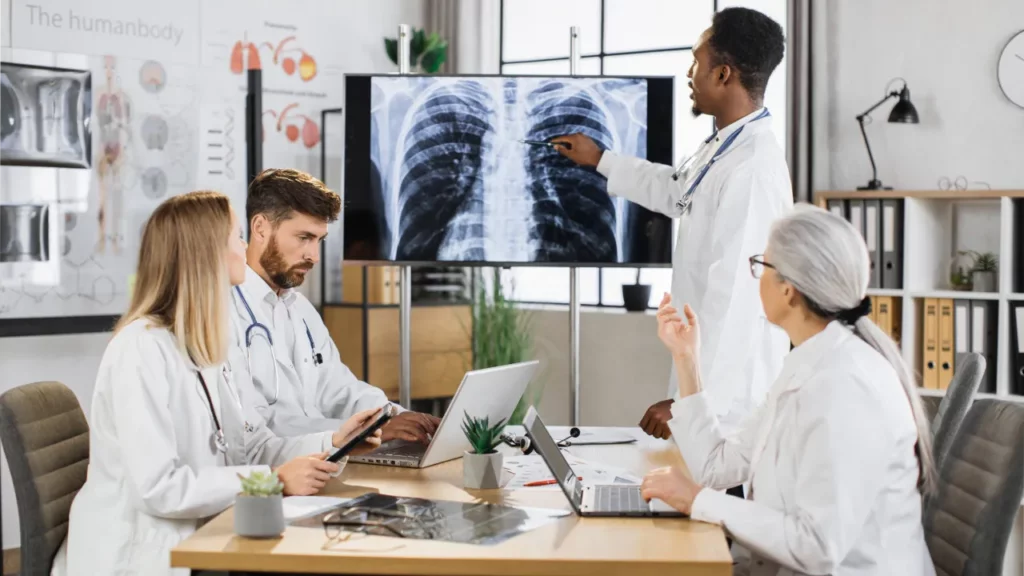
(70,238)
(302,75)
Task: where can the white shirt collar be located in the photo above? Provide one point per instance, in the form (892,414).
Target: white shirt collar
(256,285)
(725,132)
(814,350)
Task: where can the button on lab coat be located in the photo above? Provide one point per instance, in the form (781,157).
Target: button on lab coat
(309,397)
(154,472)
(729,220)
(831,464)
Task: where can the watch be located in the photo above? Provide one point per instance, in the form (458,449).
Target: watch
(1010,71)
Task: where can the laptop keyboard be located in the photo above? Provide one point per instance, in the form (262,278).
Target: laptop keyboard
(611,498)
(404,449)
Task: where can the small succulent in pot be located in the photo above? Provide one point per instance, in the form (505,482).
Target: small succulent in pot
(481,468)
(259,512)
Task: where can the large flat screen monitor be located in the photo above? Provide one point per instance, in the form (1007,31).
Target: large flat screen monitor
(436,169)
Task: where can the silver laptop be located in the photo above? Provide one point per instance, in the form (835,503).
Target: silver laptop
(590,500)
(491,392)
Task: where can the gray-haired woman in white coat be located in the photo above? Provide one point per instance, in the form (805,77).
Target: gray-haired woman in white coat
(839,456)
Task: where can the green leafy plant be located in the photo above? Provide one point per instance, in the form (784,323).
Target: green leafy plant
(986,262)
(261,484)
(481,435)
(501,336)
(428,52)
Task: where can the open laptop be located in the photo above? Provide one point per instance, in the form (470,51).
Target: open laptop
(590,500)
(490,392)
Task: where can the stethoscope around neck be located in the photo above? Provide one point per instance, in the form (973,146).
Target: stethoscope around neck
(220,441)
(255,329)
(714,158)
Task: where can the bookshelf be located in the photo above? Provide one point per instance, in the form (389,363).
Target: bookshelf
(937,224)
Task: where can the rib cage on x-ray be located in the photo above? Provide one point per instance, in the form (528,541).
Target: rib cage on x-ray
(458,186)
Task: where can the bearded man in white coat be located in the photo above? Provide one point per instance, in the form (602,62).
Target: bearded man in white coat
(726,196)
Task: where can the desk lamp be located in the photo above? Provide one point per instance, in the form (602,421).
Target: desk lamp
(902,113)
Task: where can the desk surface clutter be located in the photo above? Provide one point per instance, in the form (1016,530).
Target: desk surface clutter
(566,546)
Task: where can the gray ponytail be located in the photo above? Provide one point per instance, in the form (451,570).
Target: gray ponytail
(825,258)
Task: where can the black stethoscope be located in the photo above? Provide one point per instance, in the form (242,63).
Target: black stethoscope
(524,443)
(219,440)
(254,324)
(687,199)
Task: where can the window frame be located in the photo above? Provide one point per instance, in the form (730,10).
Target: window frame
(600,55)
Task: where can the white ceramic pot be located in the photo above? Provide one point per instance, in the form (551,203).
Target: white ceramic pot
(259,516)
(983,281)
(482,471)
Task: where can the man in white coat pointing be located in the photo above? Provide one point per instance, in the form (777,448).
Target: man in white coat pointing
(726,196)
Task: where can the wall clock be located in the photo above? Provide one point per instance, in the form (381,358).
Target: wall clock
(1011,69)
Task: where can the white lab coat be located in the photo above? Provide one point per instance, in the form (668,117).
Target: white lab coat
(310,397)
(730,218)
(155,474)
(831,464)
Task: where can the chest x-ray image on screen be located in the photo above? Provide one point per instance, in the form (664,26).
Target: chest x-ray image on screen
(449,178)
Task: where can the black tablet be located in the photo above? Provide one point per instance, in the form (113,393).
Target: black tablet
(357,437)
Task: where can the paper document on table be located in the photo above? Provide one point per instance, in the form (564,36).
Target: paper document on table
(532,469)
(296,507)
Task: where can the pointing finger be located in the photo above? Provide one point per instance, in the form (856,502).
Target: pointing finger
(691,316)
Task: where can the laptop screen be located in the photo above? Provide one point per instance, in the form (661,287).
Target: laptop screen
(548,449)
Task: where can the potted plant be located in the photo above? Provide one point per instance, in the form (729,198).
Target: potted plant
(636,296)
(481,468)
(259,512)
(427,52)
(501,336)
(983,275)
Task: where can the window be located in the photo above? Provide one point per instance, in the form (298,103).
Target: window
(620,37)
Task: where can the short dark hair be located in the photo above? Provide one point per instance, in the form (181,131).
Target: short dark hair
(750,42)
(278,192)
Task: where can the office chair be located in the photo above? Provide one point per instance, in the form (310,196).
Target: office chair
(46,440)
(968,520)
(970,369)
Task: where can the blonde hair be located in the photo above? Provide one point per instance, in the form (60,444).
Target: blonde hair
(181,283)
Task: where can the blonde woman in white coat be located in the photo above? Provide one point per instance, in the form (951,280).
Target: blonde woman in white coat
(168,432)
(839,456)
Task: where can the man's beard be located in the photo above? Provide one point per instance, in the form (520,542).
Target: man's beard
(276,268)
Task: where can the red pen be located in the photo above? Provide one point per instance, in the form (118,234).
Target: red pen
(545,482)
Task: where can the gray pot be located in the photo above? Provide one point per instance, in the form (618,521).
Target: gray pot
(482,471)
(259,516)
(983,281)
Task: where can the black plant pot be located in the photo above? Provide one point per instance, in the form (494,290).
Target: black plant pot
(636,296)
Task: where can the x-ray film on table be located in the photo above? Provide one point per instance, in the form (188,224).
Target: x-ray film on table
(465,522)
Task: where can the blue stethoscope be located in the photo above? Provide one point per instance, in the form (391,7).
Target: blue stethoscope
(687,199)
(257,329)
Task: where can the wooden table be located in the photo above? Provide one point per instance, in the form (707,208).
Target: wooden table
(566,547)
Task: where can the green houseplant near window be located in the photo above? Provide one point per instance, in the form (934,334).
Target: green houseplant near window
(501,336)
(259,511)
(427,52)
(481,468)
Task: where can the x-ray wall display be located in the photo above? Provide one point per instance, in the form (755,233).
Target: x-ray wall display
(456,169)
(44,116)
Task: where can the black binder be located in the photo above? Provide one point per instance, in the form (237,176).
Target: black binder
(1018,244)
(892,244)
(873,239)
(1017,348)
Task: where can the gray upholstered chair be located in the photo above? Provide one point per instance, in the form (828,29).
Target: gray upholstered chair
(981,482)
(970,369)
(46,440)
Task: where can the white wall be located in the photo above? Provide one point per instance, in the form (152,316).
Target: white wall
(73,359)
(947,51)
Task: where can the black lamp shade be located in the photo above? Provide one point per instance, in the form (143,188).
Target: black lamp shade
(904,111)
